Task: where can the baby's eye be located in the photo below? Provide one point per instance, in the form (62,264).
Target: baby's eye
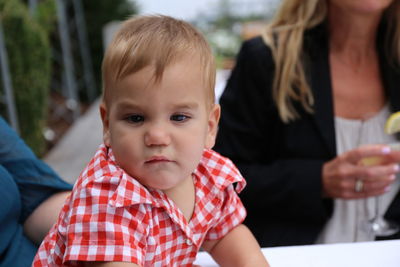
(135,118)
(179,117)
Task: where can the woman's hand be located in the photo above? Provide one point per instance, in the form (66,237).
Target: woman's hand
(347,177)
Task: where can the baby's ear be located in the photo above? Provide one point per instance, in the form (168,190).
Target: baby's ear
(213,120)
(105,120)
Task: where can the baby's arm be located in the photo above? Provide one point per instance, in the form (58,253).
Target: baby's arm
(237,248)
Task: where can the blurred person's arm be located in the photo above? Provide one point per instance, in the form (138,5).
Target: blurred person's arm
(42,191)
(44,216)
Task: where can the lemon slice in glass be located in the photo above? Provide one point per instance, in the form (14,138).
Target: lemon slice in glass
(392,125)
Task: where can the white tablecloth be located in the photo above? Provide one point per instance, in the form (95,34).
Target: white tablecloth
(364,254)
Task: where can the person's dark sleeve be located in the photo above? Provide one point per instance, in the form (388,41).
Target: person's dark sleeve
(281,186)
(36,181)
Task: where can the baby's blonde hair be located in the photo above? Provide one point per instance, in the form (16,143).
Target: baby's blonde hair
(284,35)
(155,41)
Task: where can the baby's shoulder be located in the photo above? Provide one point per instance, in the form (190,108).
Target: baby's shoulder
(99,180)
(110,199)
(219,171)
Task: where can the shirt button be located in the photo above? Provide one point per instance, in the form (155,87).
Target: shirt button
(189,242)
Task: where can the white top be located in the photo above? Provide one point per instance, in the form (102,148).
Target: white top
(346,223)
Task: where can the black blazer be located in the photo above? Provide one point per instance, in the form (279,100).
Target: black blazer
(282,163)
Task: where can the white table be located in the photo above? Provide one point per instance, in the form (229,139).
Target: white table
(364,254)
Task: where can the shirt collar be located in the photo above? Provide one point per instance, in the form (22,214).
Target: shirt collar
(130,192)
(221,170)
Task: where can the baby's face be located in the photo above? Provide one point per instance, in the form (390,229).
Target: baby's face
(158,131)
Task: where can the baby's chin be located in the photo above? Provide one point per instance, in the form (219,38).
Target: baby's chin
(164,182)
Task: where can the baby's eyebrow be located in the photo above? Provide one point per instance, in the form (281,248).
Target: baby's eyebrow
(127,105)
(188,105)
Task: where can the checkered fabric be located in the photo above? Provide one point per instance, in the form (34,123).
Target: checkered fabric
(111,217)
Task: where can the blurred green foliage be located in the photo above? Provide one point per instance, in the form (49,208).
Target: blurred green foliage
(97,14)
(28,43)
(29,58)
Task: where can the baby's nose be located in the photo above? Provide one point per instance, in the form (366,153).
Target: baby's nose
(157,136)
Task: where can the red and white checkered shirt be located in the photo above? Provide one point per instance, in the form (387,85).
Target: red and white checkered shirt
(110,216)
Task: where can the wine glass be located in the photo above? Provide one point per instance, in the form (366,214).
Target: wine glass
(378,225)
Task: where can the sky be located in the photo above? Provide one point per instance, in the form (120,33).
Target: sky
(183,9)
(187,10)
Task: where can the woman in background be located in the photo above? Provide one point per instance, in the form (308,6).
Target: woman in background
(302,98)
(32,195)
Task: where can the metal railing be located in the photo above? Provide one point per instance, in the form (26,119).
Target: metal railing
(69,82)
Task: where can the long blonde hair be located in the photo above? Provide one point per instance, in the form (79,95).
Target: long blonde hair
(284,35)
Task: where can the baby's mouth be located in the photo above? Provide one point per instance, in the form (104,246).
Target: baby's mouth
(157,159)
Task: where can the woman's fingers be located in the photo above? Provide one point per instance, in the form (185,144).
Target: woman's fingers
(369,190)
(375,173)
(356,155)
(378,184)
(348,177)
(350,190)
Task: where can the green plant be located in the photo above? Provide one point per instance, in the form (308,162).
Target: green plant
(29,57)
(97,14)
